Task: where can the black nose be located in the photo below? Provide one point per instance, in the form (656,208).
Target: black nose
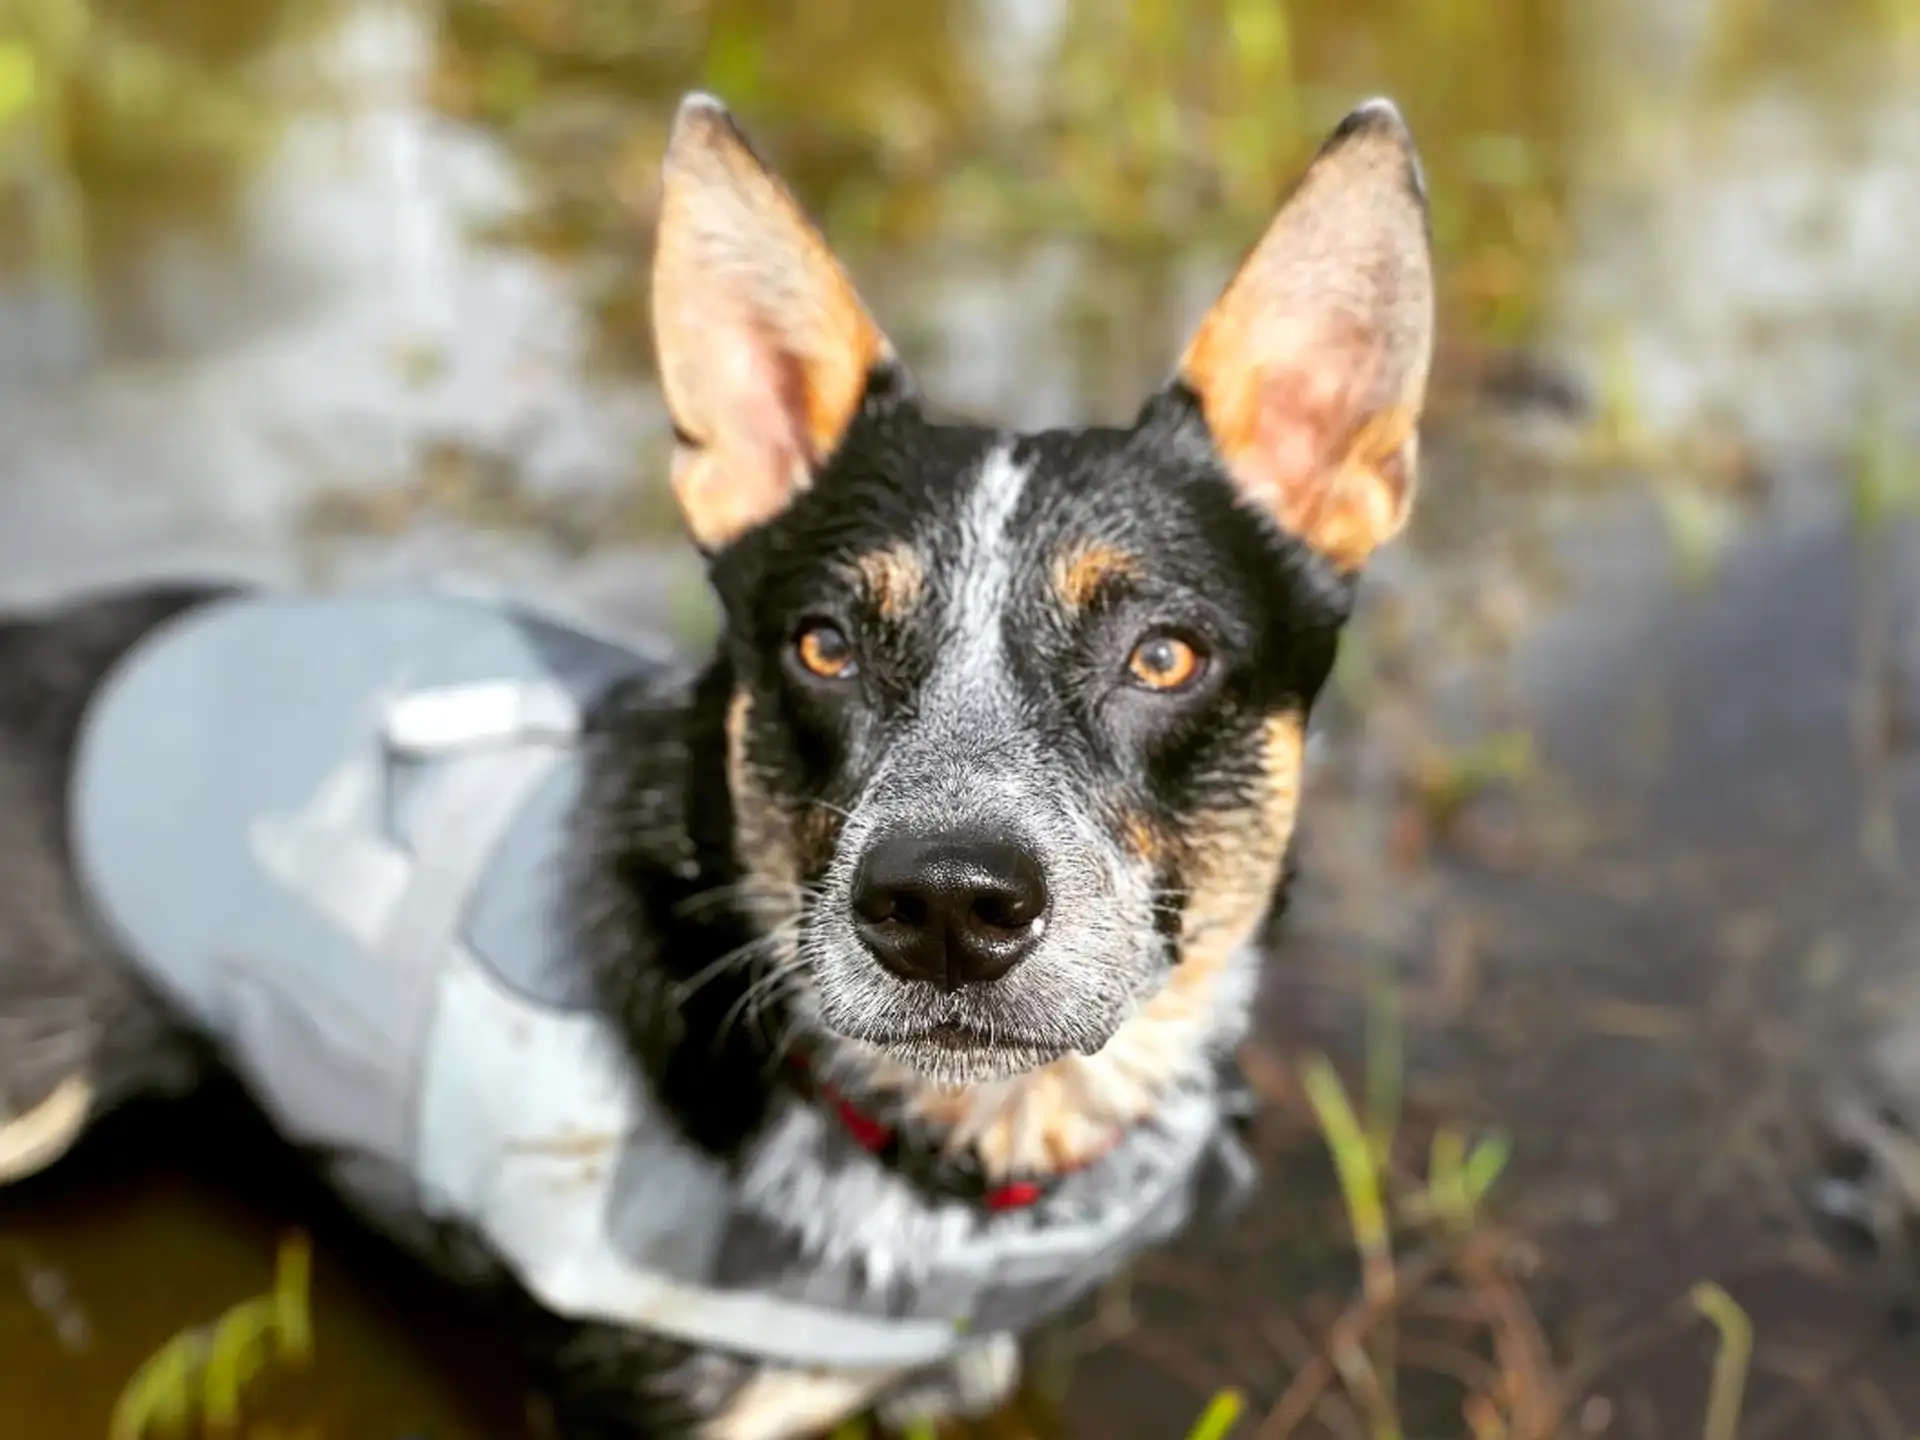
(953,909)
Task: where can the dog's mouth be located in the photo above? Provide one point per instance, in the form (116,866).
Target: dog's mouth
(956,1035)
(960,1054)
(959,1039)
(964,1036)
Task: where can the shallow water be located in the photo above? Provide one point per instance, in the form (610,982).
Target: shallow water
(328,291)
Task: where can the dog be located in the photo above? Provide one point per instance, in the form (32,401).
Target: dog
(869,992)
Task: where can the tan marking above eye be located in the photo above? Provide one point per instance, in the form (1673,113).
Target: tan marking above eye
(1165,662)
(892,578)
(825,650)
(1083,570)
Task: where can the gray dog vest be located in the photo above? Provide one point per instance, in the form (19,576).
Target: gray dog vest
(331,830)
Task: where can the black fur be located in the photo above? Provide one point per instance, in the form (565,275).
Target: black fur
(67,1002)
(654,837)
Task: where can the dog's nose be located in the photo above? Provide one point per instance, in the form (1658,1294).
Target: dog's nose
(951,909)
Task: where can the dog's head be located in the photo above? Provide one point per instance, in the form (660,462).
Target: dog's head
(1017,723)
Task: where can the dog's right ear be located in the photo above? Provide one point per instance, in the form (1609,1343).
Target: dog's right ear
(764,348)
(1311,368)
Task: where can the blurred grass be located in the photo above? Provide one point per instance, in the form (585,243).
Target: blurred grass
(1885,472)
(1150,131)
(120,117)
(1756,41)
(1216,1422)
(1730,1364)
(1445,1208)
(1413,1234)
(19,81)
(202,1372)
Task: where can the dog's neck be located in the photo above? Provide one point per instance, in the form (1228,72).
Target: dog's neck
(653,837)
(655,854)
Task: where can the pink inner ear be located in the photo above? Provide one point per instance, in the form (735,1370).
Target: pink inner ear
(1304,418)
(744,412)
(764,347)
(758,404)
(1296,417)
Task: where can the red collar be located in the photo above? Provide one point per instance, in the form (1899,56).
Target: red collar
(918,1158)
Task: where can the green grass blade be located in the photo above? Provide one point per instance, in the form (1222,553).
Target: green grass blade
(1218,1419)
(1730,1365)
(1352,1154)
(1384,1080)
(1446,1176)
(1485,1164)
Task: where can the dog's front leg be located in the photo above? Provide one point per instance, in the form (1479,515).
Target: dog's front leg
(78,1032)
(608,1383)
(778,1404)
(976,1382)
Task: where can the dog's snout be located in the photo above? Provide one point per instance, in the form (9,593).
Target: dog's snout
(954,909)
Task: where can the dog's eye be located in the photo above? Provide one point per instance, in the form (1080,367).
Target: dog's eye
(1165,663)
(823,649)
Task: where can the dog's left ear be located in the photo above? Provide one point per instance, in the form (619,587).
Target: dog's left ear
(1311,368)
(764,348)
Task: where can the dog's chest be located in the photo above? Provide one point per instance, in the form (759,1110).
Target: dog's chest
(815,1219)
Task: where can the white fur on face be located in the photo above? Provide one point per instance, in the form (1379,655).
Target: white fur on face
(977,652)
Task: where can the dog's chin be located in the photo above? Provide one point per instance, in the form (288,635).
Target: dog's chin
(953,1058)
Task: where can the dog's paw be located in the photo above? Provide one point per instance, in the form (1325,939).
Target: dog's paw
(976,1382)
(35,1133)
(1868,1189)
(48,1081)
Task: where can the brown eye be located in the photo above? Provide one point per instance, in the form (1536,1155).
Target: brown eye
(825,650)
(1165,663)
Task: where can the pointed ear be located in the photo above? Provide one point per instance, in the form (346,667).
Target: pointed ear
(1311,368)
(764,348)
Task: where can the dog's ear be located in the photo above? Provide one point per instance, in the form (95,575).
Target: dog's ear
(764,348)
(1311,368)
